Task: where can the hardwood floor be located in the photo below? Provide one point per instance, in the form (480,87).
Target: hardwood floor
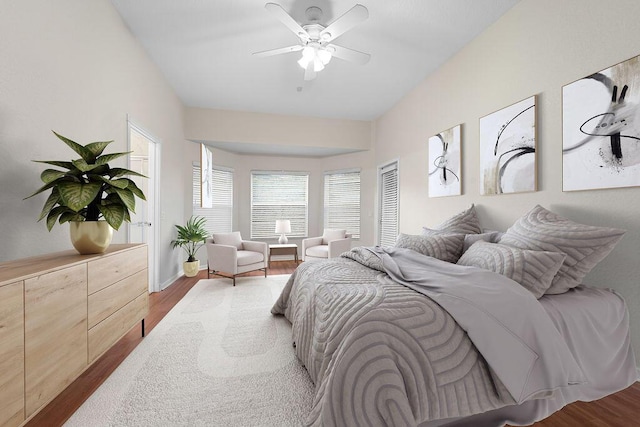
(617,410)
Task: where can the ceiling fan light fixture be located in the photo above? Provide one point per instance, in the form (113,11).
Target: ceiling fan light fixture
(304,62)
(316,55)
(309,52)
(324,55)
(317,64)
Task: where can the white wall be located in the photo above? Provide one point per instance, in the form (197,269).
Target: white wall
(535,48)
(74,67)
(268,129)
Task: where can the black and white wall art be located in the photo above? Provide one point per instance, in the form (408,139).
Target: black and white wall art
(206,169)
(445,172)
(508,149)
(601,129)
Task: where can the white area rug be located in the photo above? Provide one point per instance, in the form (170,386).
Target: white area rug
(219,358)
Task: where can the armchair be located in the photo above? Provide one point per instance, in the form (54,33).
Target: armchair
(228,253)
(330,245)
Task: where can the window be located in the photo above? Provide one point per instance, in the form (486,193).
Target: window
(278,195)
(220,215)
(388,196)
(342,201)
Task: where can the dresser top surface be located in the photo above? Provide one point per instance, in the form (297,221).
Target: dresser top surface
(20,269)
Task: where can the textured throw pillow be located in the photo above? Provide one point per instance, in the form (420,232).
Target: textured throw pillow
(466,222)
(330,234)
(584,245)
(444,246)
(485,236)
(534,270)
(229,239)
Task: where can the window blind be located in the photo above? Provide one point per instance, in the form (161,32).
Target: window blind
(388,227)
(220,215)
(278,195)
(342,201)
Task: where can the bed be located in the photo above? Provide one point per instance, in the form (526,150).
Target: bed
(394,336)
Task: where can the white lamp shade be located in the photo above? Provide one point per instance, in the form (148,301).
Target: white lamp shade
(283,226)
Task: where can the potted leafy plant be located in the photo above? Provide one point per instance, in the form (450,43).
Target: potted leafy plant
(191,237)
(89,194)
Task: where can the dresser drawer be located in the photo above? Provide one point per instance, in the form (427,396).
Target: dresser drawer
(110,269)
(12,355)
(55,322)
(106,333)
(107,301)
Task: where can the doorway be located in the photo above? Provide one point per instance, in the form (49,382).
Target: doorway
(389,200)
(143,228)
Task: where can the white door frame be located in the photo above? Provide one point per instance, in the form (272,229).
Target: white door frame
(378,222)
(154,164)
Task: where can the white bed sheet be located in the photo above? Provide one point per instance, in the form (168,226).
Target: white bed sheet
(595,324)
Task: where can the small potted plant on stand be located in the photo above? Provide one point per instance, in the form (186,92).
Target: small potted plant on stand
(91,196)
(190,238)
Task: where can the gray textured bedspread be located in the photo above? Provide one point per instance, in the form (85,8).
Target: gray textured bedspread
(505,322)
(380,353)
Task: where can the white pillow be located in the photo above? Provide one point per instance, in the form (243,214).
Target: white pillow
(534,270)
(444,246)
(229,239)
(585,245)
(332,234)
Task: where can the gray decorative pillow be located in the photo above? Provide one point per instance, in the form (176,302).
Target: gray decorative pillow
(444,246)
(466,222)
(584,245)
(485,236)
(534,270)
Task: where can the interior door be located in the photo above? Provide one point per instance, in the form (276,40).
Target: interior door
(142,228)
(388,194)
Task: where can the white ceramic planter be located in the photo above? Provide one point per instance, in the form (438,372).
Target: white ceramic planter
(191,268)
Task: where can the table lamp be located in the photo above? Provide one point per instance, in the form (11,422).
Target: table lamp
(283,226)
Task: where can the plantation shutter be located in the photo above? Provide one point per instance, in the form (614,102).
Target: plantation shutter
(278,195)
(220,215)
(342,201)
(388,204)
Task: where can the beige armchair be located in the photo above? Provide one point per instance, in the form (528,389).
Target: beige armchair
(330,245)
(227,253)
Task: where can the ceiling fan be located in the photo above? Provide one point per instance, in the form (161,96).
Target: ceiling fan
(316,40)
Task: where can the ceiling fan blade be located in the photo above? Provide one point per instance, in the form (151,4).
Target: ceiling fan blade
(350,19)
(349,54)
(287,20)
(309,72)
(279,51)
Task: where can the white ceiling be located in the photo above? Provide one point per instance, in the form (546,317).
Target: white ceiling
(204,48)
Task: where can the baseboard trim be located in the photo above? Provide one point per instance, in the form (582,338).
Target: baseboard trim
(180,273)
(170,281)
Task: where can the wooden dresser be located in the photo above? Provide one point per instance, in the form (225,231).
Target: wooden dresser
(58,314)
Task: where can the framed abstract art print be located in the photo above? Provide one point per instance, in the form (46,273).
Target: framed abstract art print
(601,129)
(206,168)
(444,163)
(508,149)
